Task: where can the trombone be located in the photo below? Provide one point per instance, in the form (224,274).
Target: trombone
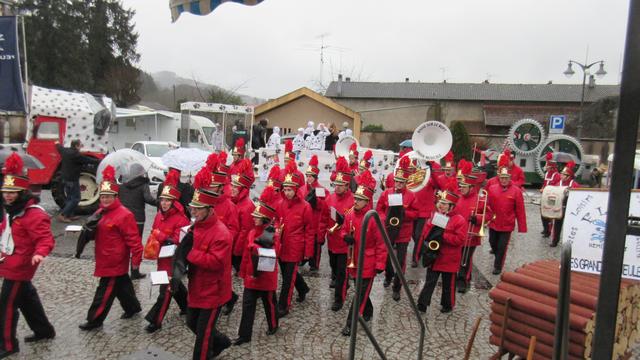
(475,229)
(351,252)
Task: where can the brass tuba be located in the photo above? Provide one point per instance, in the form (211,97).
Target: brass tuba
(343,144)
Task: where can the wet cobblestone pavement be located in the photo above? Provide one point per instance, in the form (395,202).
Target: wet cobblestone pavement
(310,331)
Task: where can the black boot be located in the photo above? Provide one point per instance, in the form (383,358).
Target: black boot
(136,274)
(38,337)
(228,307)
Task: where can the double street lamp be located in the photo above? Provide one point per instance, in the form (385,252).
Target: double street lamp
(585,71)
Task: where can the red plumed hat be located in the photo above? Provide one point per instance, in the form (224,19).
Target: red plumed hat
(503,166)
(549,159)
(464,173)
(266,204)
(14,177)
(203,197)
(288,150)
(239,148)
(403,172)
(313,166)
(170,185)
(212,161)
(448,194)
(366,187)
(222,163)
(274,177)
(353,150)
(291,177)
(109,186)
(343,172)
(449,161)
(365,163)
(570,169)
(244,177)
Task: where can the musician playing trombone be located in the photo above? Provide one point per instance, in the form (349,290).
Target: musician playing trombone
(472,205)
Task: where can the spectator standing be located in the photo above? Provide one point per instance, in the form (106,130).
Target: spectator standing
(332,137)
(274,139)
(72,162)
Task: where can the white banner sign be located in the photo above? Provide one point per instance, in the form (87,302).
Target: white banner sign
(584,226)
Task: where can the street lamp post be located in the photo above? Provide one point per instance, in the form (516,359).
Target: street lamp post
(585,71)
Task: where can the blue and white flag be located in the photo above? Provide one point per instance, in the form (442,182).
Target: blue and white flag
(11,93)
(201,7)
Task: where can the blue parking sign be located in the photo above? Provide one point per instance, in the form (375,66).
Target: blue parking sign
(556,124)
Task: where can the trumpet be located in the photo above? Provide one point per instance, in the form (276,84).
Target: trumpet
(351,253)
(475,229)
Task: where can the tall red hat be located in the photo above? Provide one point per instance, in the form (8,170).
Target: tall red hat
(449,162)
(217,177)
(403,170)
(343,172)
(223,168)
(353,150)
(291,177)
(239,148)
(465,177)
(14,176)
(170,185)
(274,179)
(313,166)
(288,151)
(365,163)
(366,187)
(266,204)
(109,185)
(503,166)
(203,197)
(570,169)
(245,176)
(549,160)
(448,194)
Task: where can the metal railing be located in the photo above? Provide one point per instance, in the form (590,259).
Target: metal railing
(355,314)
(561,335)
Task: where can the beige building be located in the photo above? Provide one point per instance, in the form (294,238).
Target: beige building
(295,109)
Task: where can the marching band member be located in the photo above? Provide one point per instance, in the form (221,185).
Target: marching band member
(275,180)
(257,283)
(353,159)
(209,271)
(375,252)
(318,204)
(446,172)
(338,205)
(237,153)
(296,243)
(240,187)
(566,179)
(515,171)
(26,240)
(403,216)
(116,238)
(447,258)
(166,230)
(472,208)
(224,170)
(425,203)
(507,203)
(551,178)
(290,156)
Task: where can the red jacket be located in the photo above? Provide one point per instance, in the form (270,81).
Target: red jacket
(210,264)
(117,238)
(455,233)
(410,212)
(466,206)
(319,212)
(263,280)
(342,203)
(571,183)
(31,232)
(551,178)
(245,221)
(297,237)
(227,212)
(507,205)
(375,252)
(166,226)
(426,199)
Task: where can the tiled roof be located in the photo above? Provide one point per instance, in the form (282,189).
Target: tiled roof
(470,92)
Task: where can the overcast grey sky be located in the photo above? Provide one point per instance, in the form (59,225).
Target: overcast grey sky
(273,48)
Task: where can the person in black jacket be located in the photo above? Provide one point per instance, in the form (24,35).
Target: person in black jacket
(259,137)
(72,162)
(134,194)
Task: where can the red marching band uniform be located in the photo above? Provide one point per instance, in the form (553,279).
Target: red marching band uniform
(566,179)
(551,178)
(515,172)
(26,240)
(375,252)
(166,231)
(405,214)
(260,284)
(507,204)
(338,205)
(448,252)
(315,194)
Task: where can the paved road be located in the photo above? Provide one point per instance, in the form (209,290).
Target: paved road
(311,331)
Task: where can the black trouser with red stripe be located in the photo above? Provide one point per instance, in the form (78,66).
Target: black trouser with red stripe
(366,307)
(249,300)
(339,264)
(203,323)
(448,299)
(159,309)
(108,289)
(557,230)
(290,276)
(464,274)
(418,226)
(21,295)
(401,253)
(314,262)
(499,241)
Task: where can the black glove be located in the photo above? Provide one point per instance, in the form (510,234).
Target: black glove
(180,264)
(88,232)
(266,239)
(174,285)
(312,199)
(436,232)
(473,220)
(167,242)
(349,239)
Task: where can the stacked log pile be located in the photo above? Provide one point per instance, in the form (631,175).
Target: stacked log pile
(533,290)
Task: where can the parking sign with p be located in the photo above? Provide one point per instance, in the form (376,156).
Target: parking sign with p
(556,124)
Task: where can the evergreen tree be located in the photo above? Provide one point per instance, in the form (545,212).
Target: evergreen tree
(461,143)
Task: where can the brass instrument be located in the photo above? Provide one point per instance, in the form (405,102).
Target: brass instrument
(351,253)
(475,229)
